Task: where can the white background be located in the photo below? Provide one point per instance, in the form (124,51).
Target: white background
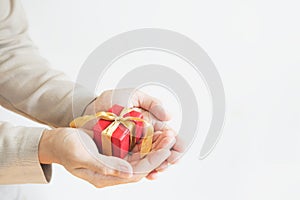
(255,45)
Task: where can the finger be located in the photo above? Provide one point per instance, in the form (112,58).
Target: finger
(177,151)
(159,135)
(164,142)
(160,126)
(109,165)
(152,175)
(157,124)
(180,145)
(161,140)
(163,166)
(153,105)
(133,158)
(99,180)
(151,161)
(117,166)
(174,157)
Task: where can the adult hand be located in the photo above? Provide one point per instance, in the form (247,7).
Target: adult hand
(77,152)
(153,111)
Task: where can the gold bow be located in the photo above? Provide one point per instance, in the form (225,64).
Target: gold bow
(128,122)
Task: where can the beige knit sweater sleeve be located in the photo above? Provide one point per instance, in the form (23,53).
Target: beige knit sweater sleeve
(28,86)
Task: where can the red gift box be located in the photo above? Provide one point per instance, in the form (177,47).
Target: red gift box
(121,140)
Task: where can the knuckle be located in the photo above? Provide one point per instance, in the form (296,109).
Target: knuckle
(106,171)
(157,101)
(136,179)
(105,93)
(99,185)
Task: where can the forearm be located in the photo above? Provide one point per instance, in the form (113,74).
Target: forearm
(28,85)
(19,160)
(30,88)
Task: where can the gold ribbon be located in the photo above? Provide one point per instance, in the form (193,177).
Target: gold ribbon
(128,122)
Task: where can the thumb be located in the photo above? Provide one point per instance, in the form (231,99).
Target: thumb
(112,166)
(152,161)
(151,104)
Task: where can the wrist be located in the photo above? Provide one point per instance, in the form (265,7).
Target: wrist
(46,147)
